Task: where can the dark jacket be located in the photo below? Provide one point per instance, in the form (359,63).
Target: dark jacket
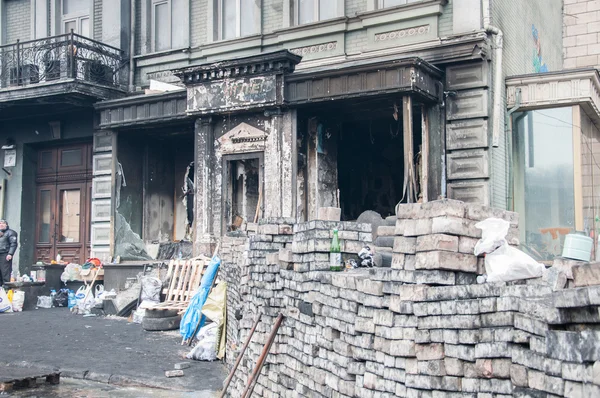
(8,242)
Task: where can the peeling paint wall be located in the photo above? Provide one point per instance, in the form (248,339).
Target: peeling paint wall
(272,138)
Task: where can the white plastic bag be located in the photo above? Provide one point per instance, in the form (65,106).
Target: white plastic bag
(71,273)
(503,263)
(44,302)
(18,300)
(5,305)
(206,348)
(493,235)
(99,294)
(509,264)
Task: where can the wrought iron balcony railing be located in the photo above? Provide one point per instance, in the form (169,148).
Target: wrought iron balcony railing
(68,56)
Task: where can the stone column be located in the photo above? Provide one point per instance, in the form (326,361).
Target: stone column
(204,237)
(103,194)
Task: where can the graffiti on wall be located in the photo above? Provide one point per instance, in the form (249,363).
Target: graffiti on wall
(538,65)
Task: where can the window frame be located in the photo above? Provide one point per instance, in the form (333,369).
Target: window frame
(153,36)
(77,17)
(339,7)
(219,18)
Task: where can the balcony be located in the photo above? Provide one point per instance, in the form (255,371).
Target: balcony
(57,67)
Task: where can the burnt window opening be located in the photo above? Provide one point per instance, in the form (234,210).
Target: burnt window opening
(155,206)
(243,198)
(354,154)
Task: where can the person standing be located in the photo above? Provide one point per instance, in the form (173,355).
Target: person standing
(8,247)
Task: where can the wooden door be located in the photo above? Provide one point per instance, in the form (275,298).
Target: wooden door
(63,203)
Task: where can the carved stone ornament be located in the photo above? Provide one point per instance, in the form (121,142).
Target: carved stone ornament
(243,138)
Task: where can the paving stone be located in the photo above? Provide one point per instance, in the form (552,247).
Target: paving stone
(586,274)
(446,260)
(437,242)
(429,352)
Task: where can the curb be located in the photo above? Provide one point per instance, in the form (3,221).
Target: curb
(117,380)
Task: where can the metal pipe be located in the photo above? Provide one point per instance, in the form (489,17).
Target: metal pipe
(261,360)
(132,46)
(497,100)
(240,356)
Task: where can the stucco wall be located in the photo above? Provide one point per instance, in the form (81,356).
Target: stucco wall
(20,199)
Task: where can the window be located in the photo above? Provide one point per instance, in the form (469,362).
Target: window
(544,184)
(169,24)
(307,11)
(75,16)
(237,18)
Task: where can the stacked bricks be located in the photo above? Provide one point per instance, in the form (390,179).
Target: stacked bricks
(438,238)
(422,332)
(232,252)
(312,243)
(261,292)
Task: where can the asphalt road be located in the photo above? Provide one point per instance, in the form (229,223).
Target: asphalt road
(107,350)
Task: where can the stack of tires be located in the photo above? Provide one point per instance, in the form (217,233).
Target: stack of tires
(160,320)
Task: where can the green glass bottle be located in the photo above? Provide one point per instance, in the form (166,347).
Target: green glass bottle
(335,253)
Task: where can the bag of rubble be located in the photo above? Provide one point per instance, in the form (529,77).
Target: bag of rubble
(503,263)
(206,348)
(151,289)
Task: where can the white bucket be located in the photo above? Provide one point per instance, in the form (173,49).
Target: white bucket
(578,247)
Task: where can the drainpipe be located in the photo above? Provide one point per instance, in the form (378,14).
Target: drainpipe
(132,46)
(497,100)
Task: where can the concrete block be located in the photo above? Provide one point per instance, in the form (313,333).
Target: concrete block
(429,352)
(446,260)
(417,227)
(453,366)
(437,242)
(466,245)
(174,373)
(455,226)
(329,213)
(405,245)
(432,368)
(586,275)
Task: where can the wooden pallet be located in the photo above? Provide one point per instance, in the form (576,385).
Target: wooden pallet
(185,277)
(14,378)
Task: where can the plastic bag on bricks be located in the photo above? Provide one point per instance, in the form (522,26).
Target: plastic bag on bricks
(493,235)
(509,264)
(503,263)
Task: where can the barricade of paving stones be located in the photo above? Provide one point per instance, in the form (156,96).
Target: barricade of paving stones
(422,328)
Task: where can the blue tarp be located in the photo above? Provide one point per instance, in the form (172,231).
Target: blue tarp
(193,313)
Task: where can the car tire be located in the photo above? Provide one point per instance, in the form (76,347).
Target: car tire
(160,313)
(160,324)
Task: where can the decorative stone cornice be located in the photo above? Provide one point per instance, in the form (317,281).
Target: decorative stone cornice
(278,62)
(554,89)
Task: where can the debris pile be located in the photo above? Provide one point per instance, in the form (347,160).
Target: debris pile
(422,328)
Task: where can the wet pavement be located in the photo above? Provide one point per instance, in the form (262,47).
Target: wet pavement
(74,388)
(108,350)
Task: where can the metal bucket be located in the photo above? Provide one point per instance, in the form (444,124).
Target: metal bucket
(578,247)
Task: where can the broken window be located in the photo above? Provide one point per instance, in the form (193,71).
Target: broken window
(357,159)
(155,205)
(243,191)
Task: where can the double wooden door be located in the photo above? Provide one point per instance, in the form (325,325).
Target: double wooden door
(64,204)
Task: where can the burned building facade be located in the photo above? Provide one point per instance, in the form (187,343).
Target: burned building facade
(278,108)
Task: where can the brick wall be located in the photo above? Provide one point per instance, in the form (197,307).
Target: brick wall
(355,6)
(97,33)
(18,20)
(520,57)
(272,15)
(581,38)
(199,14)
